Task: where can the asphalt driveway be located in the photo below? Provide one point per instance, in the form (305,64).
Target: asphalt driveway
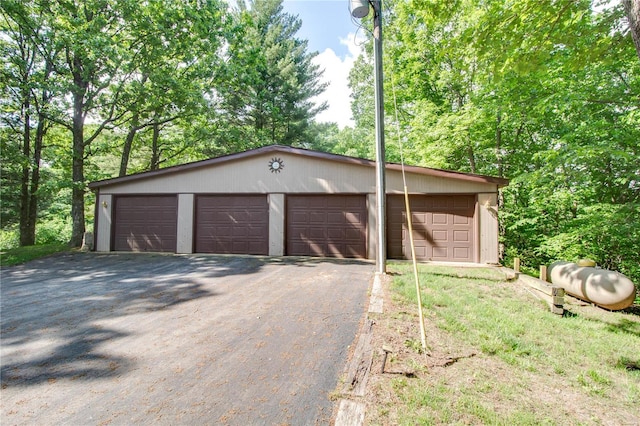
(155,339)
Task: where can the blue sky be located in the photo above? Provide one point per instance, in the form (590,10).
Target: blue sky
(328,27)
(324,23)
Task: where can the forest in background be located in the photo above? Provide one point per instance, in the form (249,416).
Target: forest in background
(544,93)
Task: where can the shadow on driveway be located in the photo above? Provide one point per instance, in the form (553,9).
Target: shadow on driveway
(49,306)
(132,324)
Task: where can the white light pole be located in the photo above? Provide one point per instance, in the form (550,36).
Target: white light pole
(360,9)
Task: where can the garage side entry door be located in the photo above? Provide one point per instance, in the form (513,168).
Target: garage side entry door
(232,224)
(443,227)
(327,225)
(145,223)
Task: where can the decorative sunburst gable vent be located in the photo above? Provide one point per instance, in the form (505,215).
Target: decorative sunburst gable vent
(276,165)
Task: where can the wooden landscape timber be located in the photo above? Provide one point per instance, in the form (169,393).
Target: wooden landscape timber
(553,295)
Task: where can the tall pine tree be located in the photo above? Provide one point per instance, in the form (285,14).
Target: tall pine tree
(270,82)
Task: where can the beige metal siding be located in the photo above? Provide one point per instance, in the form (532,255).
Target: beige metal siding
(488,212)
(372,224)
(276,224)
(103,242)
(299,175)
(434,185)
(185,223)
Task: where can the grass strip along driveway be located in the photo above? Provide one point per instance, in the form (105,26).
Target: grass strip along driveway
(496,355)
(123,339)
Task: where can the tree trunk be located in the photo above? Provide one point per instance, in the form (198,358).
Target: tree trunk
(77,167)
(24,180)
(632,9)
(499,144)
(35,177)
(471,154)
(128,143)
(155,149)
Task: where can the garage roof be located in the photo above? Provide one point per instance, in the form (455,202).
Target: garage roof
(273,149)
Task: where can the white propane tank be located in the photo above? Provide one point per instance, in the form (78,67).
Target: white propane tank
(608,289)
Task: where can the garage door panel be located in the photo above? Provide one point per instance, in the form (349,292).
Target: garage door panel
(232,224)
(217,232)
(438,203)
(354,250)
(145,223)
(240,232)
(253,229)
(421,252)
(300,217)
(337,203)
(461,253)
(443,227)
(440,235)
(439,219)
(440,253)
(461,236)
(336,225)
(334,234)
(317,217)
(335,218)
(461,220)
(353,234)
(463,203)
(353,218)
(315,233)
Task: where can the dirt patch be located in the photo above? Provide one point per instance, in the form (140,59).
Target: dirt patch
(453,382)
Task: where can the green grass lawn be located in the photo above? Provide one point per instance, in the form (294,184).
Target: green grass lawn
(528,366)
(19,255)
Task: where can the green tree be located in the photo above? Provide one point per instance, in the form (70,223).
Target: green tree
(175,70)
(544,93)
(96,50)
(267,90)
(26,74)
(108,65)
(632,10)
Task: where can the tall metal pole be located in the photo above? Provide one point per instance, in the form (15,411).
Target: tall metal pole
(381,258)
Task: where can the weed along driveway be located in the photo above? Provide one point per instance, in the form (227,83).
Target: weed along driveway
(161,339)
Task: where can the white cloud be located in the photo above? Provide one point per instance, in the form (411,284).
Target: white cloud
(336,74)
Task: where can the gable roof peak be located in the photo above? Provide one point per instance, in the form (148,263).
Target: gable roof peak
(302,152)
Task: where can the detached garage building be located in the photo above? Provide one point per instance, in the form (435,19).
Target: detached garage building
(279,200)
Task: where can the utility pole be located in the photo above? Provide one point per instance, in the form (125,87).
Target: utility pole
(360,9)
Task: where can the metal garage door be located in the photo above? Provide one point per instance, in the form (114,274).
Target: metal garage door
(327,225)
(443,227)
(232,224)
(145,223)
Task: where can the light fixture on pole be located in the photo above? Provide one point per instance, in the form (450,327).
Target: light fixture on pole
(360,9)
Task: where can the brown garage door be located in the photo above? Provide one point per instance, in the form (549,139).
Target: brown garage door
(327,225)
(145,223)
(232,224)
(443,227)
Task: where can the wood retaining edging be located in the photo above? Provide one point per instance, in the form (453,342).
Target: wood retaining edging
(553,295)
(351,411)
